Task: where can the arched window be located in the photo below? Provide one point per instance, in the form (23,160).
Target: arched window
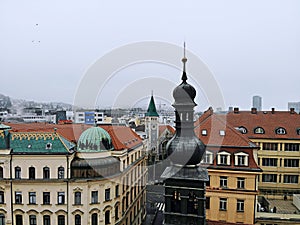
(94,219)
(116,212)
(280,130)
(46,172)
(61,172)
(17,172)
(2,219)
(107,217)
(31,173)
(1,198)
(242,129)
(77,219)
(19,220)
(1,172)
(259,130)
(77,198)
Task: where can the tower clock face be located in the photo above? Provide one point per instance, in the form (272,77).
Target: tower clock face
(153,127)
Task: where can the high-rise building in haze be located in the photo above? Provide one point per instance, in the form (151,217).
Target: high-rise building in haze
(257,102)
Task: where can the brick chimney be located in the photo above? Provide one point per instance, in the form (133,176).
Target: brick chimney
(253,110)
(292,110)
(273,110)
(236,110)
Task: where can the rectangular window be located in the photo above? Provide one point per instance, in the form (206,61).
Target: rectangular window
(270,146)
(46,198)
(269,162)
(77,198)
(32,197)
(19,220)
(291,147)
(269,178)
(1,198)
(18,173)
(107,194)
(117,191)
(290,179)
(240,205)
(241,160)
(61,198)
(223,181)
(61,220)
(223,204)
(18,197)
(94,197)
(32,220)
(240,182)
(207,203)
(207,158)
(291,162)
(46,220)
(223,159)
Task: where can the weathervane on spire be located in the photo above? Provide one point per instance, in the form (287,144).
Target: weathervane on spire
(184,59)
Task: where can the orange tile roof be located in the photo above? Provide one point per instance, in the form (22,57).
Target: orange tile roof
(269,121)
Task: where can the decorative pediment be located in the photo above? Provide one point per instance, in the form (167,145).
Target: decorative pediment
(77,189)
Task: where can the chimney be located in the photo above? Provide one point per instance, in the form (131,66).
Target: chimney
(253,110)
(292,110)
(236,110)
(273,110)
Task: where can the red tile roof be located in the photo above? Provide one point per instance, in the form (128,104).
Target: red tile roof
(213,124)
(162,128)
(232,142)
(269,121)
(122,137)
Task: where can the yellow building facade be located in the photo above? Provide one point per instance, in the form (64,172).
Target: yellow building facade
(46,180)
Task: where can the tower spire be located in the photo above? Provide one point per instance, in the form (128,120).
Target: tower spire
(184,60)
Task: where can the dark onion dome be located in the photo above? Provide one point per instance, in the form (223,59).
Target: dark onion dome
(184,93)
(94,139)
(185,148)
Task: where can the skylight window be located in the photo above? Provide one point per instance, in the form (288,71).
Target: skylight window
(204,132)
(222,132)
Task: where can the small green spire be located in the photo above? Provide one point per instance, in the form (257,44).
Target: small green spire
(151,111)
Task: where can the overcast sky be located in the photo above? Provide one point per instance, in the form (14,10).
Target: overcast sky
(251,46)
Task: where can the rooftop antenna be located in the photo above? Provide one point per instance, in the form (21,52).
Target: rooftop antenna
(184,60)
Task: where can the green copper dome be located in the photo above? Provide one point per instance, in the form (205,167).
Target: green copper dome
(94,139)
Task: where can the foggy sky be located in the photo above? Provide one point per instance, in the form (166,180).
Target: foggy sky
(251,46)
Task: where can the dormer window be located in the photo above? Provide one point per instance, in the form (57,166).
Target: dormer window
(259,130)
(48,145)
(204,132)
(223,158)
(207,158)
(280,130)
(241,159)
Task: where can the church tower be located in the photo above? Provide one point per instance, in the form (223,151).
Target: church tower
(185,179)
(151,130)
